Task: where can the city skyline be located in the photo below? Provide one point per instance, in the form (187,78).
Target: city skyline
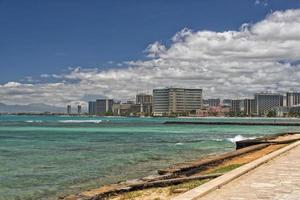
(228,60)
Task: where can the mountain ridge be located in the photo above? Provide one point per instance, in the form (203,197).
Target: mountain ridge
(30,108)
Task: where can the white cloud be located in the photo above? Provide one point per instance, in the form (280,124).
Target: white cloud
(229,64)
(12,84)
(261,2)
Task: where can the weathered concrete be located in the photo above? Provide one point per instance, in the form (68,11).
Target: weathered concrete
(277,179)
(280,138)
(236,123)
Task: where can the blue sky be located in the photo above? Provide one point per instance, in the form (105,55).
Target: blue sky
(47,37)
(63,52)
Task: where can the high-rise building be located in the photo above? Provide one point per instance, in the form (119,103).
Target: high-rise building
(292,99)
(236,105)
(226,102)
(161,101)
(69,109)
(176,100)
(265,102)
(143,99)
(79,109)
(104,106)
(213,102)
(92,108)
(249,106)
(144,102)
(122,109)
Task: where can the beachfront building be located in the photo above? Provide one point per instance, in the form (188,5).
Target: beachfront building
(292,99)
(144,104)
(122,109)
(144,98)
(69,109)
(169,101)
(214,111)
(294,110)
(92,107)
(266,102)
(160,102)
(281,111)
(213,102)
(248,106)
(236,105)
(104,106)
(227,102)
(79,109)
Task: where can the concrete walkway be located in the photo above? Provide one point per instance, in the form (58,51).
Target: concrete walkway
(278,179)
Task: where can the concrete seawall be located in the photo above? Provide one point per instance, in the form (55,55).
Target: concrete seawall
(235,123)
(274,180)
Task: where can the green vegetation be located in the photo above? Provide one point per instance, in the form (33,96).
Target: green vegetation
(225,168)
(109,113)
(236,114)
(294,114)
(271,113)
(188,185)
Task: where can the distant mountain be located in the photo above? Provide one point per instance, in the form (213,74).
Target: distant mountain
(30,108)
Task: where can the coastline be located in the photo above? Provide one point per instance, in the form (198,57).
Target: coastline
(191,174)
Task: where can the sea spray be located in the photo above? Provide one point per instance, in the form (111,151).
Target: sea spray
(239,138)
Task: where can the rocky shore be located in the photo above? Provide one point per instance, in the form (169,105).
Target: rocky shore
(181,177)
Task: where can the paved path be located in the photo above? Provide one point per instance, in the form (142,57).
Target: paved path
(279,179)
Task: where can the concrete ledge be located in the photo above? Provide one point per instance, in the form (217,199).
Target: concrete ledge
(226,178)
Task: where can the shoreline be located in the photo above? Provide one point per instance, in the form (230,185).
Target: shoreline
(234,123)
(189,172)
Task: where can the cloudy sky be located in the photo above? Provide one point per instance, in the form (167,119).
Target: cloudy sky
(236,51)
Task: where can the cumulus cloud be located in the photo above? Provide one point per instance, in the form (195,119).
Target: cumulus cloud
(230,64)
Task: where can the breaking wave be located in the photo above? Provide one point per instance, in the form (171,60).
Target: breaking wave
(34,121)
(239,138)
(81,121)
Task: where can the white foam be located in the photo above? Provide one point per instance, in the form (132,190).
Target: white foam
(217,140)
(34,121)
(239,138)
(81,121)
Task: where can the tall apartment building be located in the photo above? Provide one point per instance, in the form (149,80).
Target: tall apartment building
(143,99)
(144,103)
(79,109)
(249,106)
(292,99)
(213,102)
(92,107)
(104,106)
(69,109)
(160,101)
(246,106)
(226,102)
(236,105)
(122,109)
(266,102)
(176,100)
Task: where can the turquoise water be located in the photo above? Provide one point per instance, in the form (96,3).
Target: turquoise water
(42,157)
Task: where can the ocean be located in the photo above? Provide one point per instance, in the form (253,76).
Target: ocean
(43,157)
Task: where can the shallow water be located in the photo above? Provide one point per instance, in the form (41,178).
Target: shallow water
(42,157)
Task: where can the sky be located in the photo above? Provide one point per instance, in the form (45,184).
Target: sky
(69,51)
